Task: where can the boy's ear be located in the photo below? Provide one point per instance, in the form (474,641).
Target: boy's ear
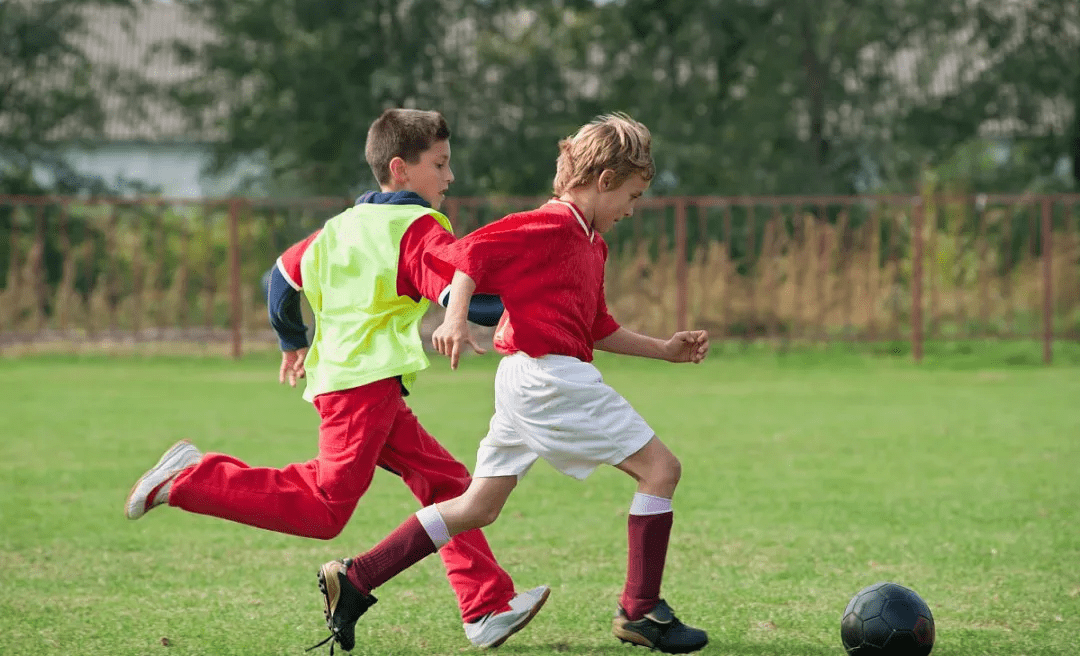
(603,182)
(397,170)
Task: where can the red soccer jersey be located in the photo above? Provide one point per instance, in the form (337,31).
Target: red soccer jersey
(414,279)
(548,266)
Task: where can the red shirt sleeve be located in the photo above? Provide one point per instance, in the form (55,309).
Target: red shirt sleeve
(494,255)
(289,262)
(605,324)
(416,278)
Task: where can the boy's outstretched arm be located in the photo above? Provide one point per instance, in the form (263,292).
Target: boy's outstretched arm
(421,274)
(283,306)
(283,285)
(453,335)
(683,346)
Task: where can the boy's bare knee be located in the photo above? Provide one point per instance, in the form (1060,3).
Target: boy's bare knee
(479,506)
(461,517)
(670,474)
(493,515)
(664,476)
(675,470)
(482,517)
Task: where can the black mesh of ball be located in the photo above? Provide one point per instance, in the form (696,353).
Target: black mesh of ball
(886,619)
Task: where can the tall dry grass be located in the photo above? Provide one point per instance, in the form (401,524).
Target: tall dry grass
(816,286)
(821,283)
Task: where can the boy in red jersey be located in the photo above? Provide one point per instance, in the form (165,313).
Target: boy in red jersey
(550,401)
(365,278)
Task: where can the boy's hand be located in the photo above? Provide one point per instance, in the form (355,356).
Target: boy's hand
(292,366)
(450,339)
(687,346)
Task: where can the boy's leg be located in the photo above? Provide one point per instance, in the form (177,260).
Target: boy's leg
(501,460)
(428,530)
(346,585)
(648,525)
(643,617)
(313,499)
(434,475)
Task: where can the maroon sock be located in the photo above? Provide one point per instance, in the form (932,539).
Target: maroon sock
(406,546)
(648,542)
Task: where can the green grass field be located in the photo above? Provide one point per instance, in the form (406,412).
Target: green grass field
(805,477)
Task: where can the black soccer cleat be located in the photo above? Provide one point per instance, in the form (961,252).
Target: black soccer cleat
(659,630)
(343,604)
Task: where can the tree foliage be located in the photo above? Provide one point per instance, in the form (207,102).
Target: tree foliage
(742,96)
(300,80)
(50,90)
(1019,86)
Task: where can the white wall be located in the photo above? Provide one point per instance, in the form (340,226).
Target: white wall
(174,170)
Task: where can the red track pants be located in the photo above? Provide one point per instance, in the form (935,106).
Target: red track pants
(361,428)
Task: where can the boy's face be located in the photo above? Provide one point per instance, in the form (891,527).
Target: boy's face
(616,203)
(430,176)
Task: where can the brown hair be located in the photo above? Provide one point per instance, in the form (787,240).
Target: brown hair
(612,141)
(404,133)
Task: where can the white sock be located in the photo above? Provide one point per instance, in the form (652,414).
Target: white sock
(433,523)
(647,504)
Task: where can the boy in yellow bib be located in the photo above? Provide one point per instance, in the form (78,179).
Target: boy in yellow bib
(366,281)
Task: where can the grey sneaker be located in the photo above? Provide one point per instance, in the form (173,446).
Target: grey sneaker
(343,604)
(493,629)
(659,630)
(152,489)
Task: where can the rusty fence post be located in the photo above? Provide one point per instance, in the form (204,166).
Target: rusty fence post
(234,277)
(730,271)
(873,271)
(1048,281)
(38,283)
(65,294)
(916,280)
(769,279)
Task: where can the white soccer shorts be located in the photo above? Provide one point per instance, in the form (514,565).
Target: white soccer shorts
(558,408)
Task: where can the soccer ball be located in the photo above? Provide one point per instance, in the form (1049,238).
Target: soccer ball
(886,619)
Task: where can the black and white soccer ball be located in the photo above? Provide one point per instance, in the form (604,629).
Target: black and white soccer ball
(886,619)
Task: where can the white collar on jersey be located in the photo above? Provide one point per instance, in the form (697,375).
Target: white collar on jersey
(577,215)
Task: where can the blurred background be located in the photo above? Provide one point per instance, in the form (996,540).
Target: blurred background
(886,172)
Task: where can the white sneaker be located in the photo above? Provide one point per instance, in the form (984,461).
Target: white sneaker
(153,488)
(493,629)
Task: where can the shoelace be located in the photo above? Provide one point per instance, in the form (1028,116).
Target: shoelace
(332,636)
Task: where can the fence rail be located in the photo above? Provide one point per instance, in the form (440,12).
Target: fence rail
(153,271)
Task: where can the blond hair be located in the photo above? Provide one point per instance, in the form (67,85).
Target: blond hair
(404,133)
(612,141)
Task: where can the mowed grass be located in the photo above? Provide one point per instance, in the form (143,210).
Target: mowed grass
(805,478)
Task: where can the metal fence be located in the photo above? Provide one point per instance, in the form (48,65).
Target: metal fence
(178,275)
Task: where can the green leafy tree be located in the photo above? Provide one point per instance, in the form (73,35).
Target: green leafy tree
(1017,104)
(763,96)
(528,85)
(299,81)
(50,90)
(51,94)
(743,96)
(684,69)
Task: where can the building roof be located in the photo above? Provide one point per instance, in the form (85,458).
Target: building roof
(139,43)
